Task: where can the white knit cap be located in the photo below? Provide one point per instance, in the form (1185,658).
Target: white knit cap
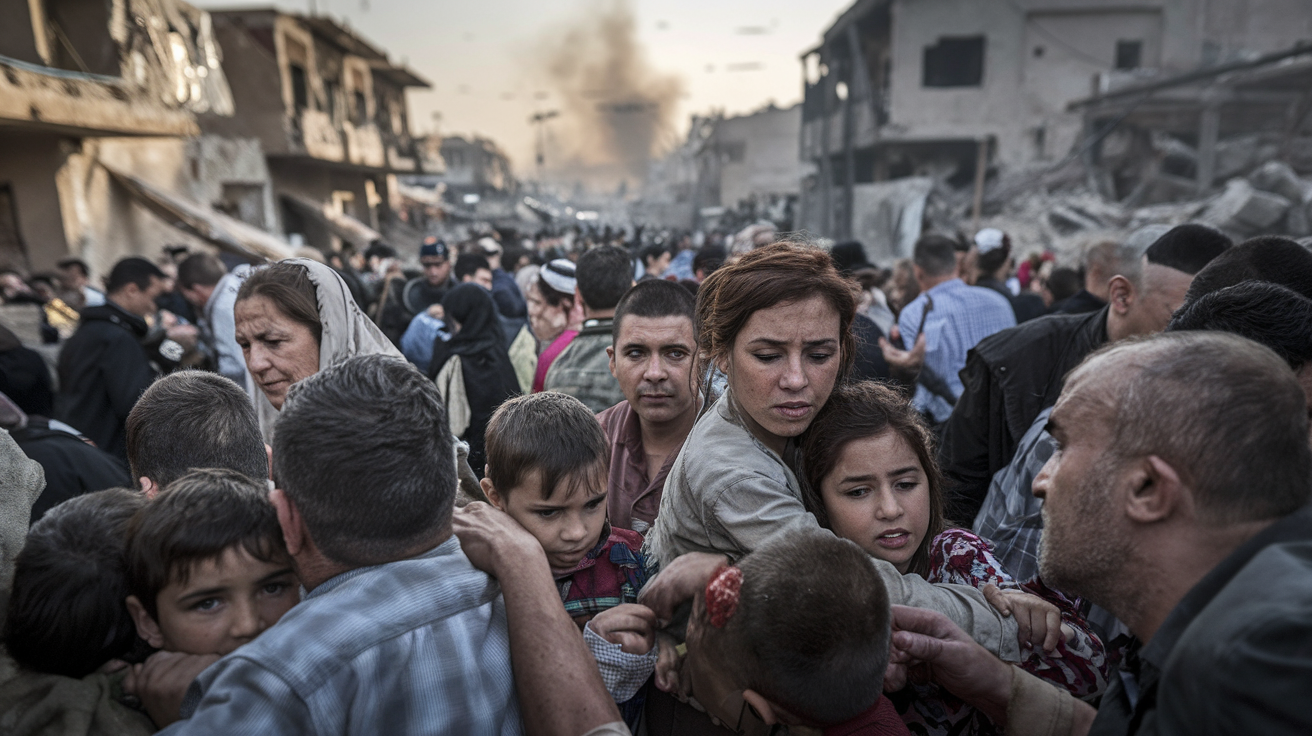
(559,275)
(990,238)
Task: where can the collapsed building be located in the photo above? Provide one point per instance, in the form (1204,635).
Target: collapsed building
(950,112)
(131,124)
(729,172)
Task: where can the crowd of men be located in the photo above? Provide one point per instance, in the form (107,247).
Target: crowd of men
(510,485)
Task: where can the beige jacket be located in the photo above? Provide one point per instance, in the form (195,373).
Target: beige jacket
(727,492)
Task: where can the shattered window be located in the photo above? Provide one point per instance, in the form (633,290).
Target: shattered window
(1129,54)
(300,88)
(955,62)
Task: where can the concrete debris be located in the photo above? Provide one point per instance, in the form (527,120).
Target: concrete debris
(1243,209)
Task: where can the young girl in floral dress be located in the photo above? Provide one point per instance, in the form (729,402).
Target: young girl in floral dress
(870,477)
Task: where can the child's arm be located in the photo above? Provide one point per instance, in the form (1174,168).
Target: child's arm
(623,641)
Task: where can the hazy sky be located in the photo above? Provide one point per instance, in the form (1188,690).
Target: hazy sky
(735,55)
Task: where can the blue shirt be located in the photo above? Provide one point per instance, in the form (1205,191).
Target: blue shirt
(418,646)
(417,342)
(962,316)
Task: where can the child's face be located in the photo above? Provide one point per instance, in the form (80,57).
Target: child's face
(225,603)
(567,525)
(878,496)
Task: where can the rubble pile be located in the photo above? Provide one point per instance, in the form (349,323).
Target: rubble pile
(1262,185)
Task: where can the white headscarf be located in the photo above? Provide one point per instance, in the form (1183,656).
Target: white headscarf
(347,332)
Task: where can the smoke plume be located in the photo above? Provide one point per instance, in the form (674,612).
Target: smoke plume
(615,109)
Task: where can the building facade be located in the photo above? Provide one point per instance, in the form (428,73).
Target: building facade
(901,88)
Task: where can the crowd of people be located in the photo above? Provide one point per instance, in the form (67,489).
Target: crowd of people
(503,486)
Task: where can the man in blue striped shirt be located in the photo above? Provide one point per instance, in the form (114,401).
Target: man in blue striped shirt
(954,317)
(398,632)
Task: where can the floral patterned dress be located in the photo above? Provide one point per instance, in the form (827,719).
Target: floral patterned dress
(1080,666)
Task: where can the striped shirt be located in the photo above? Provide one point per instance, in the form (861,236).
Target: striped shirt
(962,316)
(417,646)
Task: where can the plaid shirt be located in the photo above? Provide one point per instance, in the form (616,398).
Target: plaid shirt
(1011,517)
(582,370)
(962,316)
(417,646)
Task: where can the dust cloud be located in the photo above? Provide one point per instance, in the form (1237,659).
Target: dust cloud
(617,112)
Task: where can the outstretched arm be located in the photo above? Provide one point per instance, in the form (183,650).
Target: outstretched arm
(560,689)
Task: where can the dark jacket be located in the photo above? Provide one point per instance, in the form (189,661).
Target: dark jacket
(1026,305)
(1009,378)
(1082,303)
(1235,654)
(72,466)
(24,377)
(103,369)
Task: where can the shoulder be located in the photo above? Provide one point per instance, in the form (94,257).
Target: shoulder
(1027,338)
(613,418)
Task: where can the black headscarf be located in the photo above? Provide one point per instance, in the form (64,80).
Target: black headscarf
(484,363)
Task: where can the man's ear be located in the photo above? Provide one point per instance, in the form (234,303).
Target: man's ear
(1156,492)
(610,357)
(147,629)
(578,298)
(493,497)
(291,522)
(148,487)
(1120,294)
(765,709)
(268,453)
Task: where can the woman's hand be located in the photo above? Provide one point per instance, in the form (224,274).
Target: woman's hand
(1039,621)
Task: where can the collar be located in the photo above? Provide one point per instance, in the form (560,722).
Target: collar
(1296,526)
(450,546)
(599,326)
(949,285)
(113,313)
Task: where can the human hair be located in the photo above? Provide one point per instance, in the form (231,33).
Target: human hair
(165,441)
(1188,248)
(855,412)
(1267,258)
(1064,283)
(604,274)
(468,264)
(811,629)
(656,298)
(552,297)
(1226,413)
(379,249)
(551,433)
(201,268)
(195,519)
(777,273)
(993,260)
(364,451)
(935,254)
(1268,314)
(76,263)
(654,251)
(709,258)
(289,288)
(66,613)
(132,270)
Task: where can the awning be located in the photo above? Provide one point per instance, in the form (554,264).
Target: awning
(227,233)
(343,226)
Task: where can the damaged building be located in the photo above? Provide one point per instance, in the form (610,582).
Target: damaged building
(731,171)
(958,95)
(94,91)
(329,112)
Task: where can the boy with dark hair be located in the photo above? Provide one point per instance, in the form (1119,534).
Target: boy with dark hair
(652,357)
(207,566)
(66,614)
(472,267)
(165,441)
(547,461)
(582,369)
(762,647)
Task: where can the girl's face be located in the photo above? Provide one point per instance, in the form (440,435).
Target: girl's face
(783,366)
(878,496)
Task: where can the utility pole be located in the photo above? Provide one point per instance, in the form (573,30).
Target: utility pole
(540,120)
